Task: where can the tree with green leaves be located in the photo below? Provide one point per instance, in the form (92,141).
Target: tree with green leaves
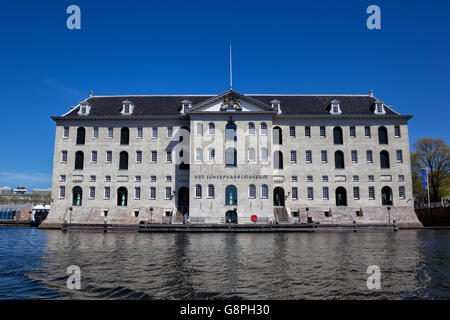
(433,154)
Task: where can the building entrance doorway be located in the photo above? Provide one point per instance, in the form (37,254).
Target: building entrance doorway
(231,216)
(278,197)
(183,200)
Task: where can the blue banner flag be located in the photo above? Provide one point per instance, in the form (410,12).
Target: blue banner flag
(425,178)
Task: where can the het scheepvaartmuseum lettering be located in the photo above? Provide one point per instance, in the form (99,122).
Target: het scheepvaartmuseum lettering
(230,177)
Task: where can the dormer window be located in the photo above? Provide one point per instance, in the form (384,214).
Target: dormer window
(185,105)
(335,107)
(276,105)
(127,107)
(85,107)
(379,107)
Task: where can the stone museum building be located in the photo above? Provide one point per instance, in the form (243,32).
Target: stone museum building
(286,158)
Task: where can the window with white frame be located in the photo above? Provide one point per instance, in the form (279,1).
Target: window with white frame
(211,191)
(397,131)
(198,191)
(107,178)
(371,193)
(95,133)
(293,156)
(252,191)
(356,193)
(310,192)
(211,129)
(154,132)
(371,178)
(309,178)
(169,156)
(91,193)
(354,156)
(62,178)
(199,128)
(168,193)
(399,154)
(324,178)
(154,158)
(211,154)
(137,193)
(110,133)
(335,107)
(369,156)
(168,178)
(169,132)
(294,191)
(292,131)
(323,133)
(137,179)
(94,156)
(263,129)
(323,156)
(264,154)
(352,131)
(264,191)
(66,133)
(198,154)
(355,178)
(251,155)
(367,131)
(308,156)
(139,156)
(64,156)
(307,132)
(325,195)
(251,129)
(92,178)
(401,192)
(62,192)
(152,178)
(294,179)
(401,178)
(140,132)
(152,193)
(107,193)
(108,156)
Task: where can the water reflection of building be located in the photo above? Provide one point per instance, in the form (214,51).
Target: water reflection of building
(224,158)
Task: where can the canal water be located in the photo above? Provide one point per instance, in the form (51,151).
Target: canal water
(414,264)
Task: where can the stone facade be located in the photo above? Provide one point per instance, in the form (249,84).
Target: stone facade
(190,133)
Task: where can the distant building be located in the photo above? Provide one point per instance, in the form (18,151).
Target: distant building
(42,192)
(6,191)
(15,212)
(20,190)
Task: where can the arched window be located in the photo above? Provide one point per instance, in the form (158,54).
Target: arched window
(252,191)
(231,195)
(79,160)
(278,160)
(211,154)
(122,197)
(123,163)
(211,191)
(341,196)
(337,135)
(382,135)
(211,129)
(198,191)
(339,160)
(277,135)
(198,154)
(386,196)
(384,159)
(125,136)
(251,129)
(263,129)
(231,157)
(251,155)
(77,196)
(264,191)
(230,132)
(81,135)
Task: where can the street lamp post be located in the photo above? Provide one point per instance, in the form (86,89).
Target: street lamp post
(389,213)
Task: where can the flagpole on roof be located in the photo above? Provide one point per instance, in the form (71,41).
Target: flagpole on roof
(231,69)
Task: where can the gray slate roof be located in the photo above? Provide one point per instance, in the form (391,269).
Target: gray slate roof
(170,105)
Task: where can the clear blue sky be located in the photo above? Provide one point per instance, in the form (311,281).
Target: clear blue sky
(181,47)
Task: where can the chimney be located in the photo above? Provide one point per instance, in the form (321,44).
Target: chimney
(371,93)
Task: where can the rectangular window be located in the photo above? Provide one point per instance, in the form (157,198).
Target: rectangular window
(107,178)
(371,179)
(399,156)
(107,193)
(352,132)
(108,156)
(94,156)
(371,193)
(168,193)
(308,132)
(152,178)
(356,193)
(168,178)
(169,132)
(323,156)
(325,193)
(152,193)
(64,156)
(401,192)
(322,132)
(354,156)
(308,156)
(154,156)
(264,154)
(294,179)
(263,129)
(199,127)
(154,132)
(294,193)
(397,131)
(310,192)
(401,178)
(138,156)
(137,193)
(95,133)
(210,191)
(66,133)
(369,156)
(139,132)
(110,133)
(62,192)
(292,131)
(137,179)
(293,156)
(169,156)
(309,179)
(367,131)
(264,192)
(324,178)
(252,192)
(93,178)
(62,178)
(355,178)
(91,193)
